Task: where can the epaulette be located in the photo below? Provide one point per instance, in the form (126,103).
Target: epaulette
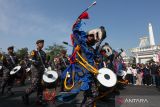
(1,58)
(33,53)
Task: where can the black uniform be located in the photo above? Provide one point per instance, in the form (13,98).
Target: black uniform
(9,62)
(37,69)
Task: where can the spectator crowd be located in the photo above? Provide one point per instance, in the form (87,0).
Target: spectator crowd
(144,74)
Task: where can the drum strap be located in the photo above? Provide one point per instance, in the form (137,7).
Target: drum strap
(12,59)
(41,59)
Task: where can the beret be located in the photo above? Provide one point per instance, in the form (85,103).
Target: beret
(11,47)
(39,41)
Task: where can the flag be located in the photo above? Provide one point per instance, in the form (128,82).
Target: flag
(84,15)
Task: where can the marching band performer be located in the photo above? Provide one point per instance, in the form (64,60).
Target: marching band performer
(84,42)
(37,68)
(9,62)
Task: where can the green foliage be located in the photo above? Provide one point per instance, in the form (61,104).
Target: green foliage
(22,53)
(54,50)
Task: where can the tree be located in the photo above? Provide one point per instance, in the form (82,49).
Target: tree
(54,50)
(22,53)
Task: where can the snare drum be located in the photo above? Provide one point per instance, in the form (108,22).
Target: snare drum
(49,79)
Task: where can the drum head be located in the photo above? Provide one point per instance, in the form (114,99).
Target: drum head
(107,77)
(50,76)
(15,70)
(121,73)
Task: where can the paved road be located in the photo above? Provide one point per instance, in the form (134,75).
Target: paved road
(140,90)
(15,100)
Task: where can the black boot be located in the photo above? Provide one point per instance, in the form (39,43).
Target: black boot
(10,92)
(2,92)
(41,102)
(25,99)
(83,104)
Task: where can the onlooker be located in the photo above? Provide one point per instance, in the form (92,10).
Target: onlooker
(129,75)
(139,74)
(158,77)
(134,73)
(147,75)
(154,69)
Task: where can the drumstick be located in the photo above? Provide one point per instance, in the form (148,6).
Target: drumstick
(94,3)
(66,43)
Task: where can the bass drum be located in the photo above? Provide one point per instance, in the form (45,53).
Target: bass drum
(20,74)
(107,81)
(15,70)
(49,79)
(107,77)
(121,73)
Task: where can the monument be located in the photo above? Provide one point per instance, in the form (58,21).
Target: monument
(147,49)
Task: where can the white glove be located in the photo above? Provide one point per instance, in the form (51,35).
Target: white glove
(0,67)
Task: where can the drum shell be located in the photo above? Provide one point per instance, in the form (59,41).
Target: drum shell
(102,88)
(20,73)
(50,82)
(50,85)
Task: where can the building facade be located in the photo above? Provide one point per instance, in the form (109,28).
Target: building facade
(147,49)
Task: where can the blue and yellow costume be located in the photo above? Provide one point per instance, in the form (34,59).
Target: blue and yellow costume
(81,76)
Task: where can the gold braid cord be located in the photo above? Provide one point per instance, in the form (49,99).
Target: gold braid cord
(83,63)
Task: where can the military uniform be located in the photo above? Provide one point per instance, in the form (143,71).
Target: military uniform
(37,69)
(9,62)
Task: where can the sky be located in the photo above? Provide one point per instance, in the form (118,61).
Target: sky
(22,22)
